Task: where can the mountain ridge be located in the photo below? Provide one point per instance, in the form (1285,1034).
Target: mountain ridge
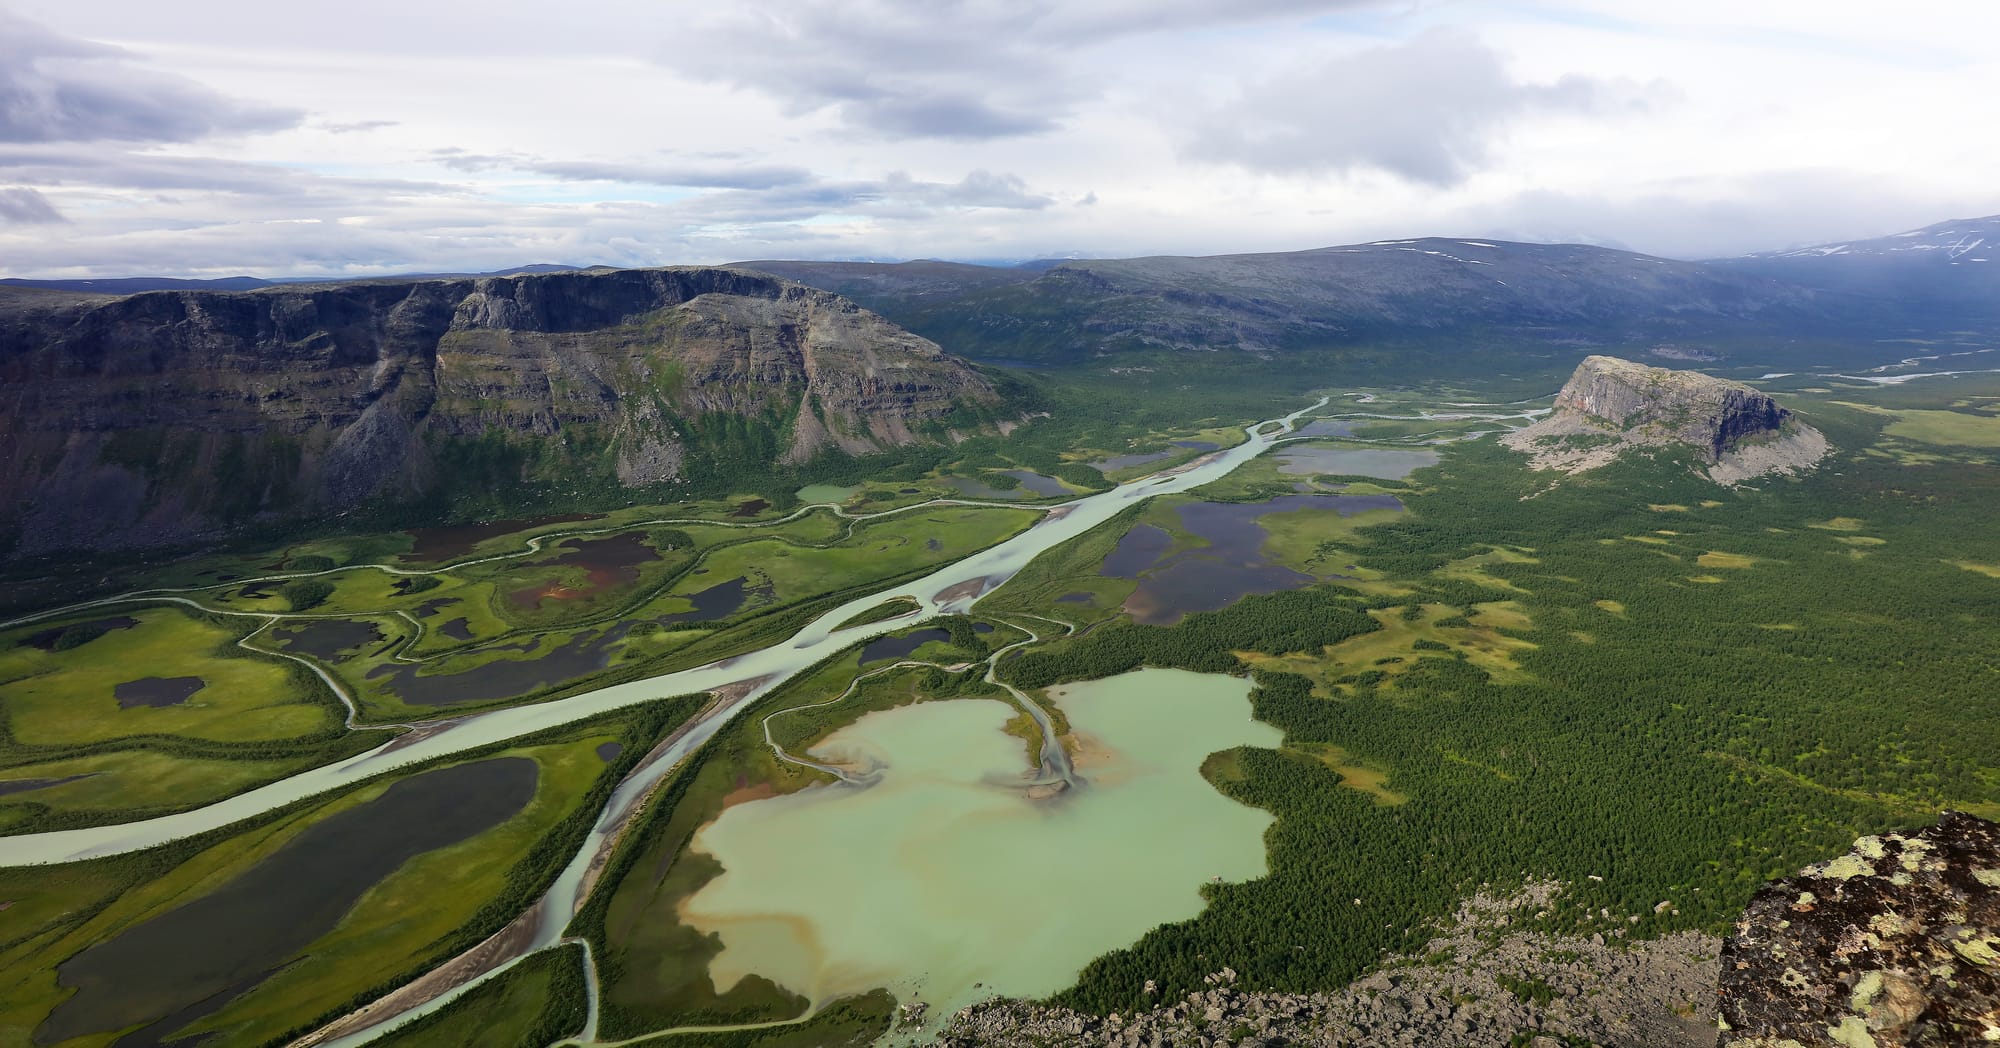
(167,416)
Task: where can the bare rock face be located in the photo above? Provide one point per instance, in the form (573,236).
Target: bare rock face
(168,416)
(1610,404)
(1896,943)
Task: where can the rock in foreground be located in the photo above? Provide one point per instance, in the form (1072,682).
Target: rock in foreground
(1610,405)
(1896,943)
(1482,982)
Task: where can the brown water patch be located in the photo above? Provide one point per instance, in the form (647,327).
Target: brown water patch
(46,639)
(750,507)
(156,691)
(608,563)
(746,794)
(327,639)
(8,786)
(191,960)
(457,540)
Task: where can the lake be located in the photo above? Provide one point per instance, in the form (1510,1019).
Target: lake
(943,874)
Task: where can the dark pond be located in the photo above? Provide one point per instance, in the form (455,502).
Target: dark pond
(1232,566)
(328,638)
(1037,483)
(1079,597)
(1198,445)
(1383,463)
(191,960)
(716,602)
(156,691)
(1117,462)
(933,545)
(8,786)
(457,629)
(750,507)
(608,563)
(897,647)
(431,606)
(979,490)
(1326,427)
(609,751)
(1136,552)
(909,491)
(46,639)
(433,544)
(584,654)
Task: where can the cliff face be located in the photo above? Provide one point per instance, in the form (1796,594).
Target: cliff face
(166,416)
(1896,943)
(1611,404)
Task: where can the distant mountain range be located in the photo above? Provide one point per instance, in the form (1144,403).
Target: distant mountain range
(193,408)
(1946,272)
(1423,291)
(135,285)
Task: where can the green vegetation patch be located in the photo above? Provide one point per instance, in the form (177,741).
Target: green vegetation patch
(172,673)
(533,1004)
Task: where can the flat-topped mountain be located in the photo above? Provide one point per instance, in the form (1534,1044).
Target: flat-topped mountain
(163,416)
(1610,405)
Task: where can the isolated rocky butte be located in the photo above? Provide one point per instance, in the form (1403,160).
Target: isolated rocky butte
(1896,943)
(1610,405)
(162,417)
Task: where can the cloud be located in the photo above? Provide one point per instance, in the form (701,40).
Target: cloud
(922,69)
(55,88)
(358,125)
(20,205)
(1427,110)
(752,176)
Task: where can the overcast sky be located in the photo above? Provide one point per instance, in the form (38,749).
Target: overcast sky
(216,137)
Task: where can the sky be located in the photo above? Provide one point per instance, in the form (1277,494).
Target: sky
(312,138)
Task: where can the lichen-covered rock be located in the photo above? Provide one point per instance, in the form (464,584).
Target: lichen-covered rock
(1896,943)
(1609,405)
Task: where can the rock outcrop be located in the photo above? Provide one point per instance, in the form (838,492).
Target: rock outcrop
(1480,983)
(1610,405)
(168,416)
(1896,943)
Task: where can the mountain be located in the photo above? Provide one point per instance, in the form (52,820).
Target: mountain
(898,284)
(1389,292)
(1949,270)
(1610,405)
(135,285)
(171,415)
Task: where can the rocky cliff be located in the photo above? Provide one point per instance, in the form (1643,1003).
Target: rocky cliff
(162,417)
(1896,943)
(1610,405)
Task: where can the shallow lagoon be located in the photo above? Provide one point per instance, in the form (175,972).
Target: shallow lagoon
(944,874)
